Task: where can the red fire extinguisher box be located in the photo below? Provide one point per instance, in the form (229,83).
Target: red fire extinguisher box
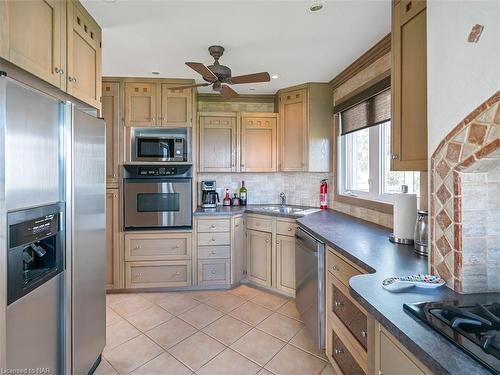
(323,195)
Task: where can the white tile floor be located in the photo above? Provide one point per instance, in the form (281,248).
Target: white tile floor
(241,331)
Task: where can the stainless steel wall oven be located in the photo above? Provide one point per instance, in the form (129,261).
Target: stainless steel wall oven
(158,197)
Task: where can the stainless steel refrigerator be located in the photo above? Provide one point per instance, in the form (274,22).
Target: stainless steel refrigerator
(52,233)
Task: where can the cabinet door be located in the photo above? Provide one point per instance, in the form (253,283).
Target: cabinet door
(84,55)
(258,144)
(32,37)
(285,262)
(217,144)
(293,128)
(409,87)
(238,250)
(140,104)
(111,115)
(259,257)
(176,106)
(113,260)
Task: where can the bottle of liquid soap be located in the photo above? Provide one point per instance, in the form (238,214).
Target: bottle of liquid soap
(227,199)
(243,194)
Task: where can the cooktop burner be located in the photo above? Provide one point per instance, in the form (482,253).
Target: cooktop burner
(473,328)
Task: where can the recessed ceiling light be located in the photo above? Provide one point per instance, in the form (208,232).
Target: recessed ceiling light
(154,72)
(275,76)
(316,6)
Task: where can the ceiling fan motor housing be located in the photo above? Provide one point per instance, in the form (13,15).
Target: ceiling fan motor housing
(222,72)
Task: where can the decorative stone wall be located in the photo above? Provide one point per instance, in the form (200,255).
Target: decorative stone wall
(465,202)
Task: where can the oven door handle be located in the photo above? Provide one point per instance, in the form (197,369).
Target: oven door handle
(158,180)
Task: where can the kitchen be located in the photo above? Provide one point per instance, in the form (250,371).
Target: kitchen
(177,198)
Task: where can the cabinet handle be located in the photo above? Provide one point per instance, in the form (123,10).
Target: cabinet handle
(59,71)
(177,274)
(339,351)
(338,303)
(115,195)
(395,156)
(236,225)
(289,229)
(334,267)
(212,252)
(212,239)
(114,175)
(72,79)
(267,240)
(137,247)
(138,275)
(175,247)
(212,226)
(212,272)
(364,333)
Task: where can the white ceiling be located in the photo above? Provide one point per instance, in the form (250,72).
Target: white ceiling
(281,37)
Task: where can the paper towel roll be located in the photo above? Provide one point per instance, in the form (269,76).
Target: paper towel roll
(405,215)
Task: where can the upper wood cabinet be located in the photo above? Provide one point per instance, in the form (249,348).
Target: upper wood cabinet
(258,142)
(111,114)
(217,149)
(176,106)
(140,104)
(154,103)
(84,55)
(55,40)
(409,86)
(306,128)
(32,36)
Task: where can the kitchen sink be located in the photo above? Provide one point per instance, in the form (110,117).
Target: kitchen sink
(283,209)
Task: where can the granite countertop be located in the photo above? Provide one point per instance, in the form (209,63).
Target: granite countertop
(252,208)
(367,245)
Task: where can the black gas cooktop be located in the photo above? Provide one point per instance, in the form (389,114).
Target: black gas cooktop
(474,328)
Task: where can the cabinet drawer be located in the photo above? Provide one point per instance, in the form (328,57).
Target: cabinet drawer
(157,274)
(213,271)
(213,239)
(340,268)
(207,252)
(260,223)
(214,225)
(343,357)
(286,228)
(352,317)
(169,246)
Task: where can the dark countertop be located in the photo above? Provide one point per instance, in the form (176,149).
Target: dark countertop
(251,208)
(367,245)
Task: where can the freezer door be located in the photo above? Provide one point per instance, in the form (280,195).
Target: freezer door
(32,149)
(88,256)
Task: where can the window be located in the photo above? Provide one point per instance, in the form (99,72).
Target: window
(364,162)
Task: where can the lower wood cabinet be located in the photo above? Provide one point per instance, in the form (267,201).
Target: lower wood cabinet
(214,271)
(343,357)
(238,259)
(152,246)
(156,274)
(259,247)
(285,263)
(113,259)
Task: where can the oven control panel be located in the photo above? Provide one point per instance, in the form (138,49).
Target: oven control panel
(157,171)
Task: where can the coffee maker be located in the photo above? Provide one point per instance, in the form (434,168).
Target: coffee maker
(209,197)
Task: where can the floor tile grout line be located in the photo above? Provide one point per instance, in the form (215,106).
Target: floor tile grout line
(147,361)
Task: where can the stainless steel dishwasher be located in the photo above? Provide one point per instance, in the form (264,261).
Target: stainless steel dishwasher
(310,284)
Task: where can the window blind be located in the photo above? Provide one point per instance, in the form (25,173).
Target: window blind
(369,108)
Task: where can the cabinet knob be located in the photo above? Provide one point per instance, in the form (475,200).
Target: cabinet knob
(335,268)
(395,156)
(137,247)
(72,79)
(364,333)
(114,175)
(212,226)
(212,272)
(339,351)
(338,303)
(177,274)
(175,247)
(289,229)
(212,239)
(212,252)
(267,240)
(236,225)
(138,275)
(59,71)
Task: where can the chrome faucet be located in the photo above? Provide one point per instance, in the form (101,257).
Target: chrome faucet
(283,199)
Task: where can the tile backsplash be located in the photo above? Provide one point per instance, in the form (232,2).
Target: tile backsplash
(264,188)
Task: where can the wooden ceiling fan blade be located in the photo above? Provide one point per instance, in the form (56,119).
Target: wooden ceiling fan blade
(250,78)
(203,70)
(227,92)
(189,86)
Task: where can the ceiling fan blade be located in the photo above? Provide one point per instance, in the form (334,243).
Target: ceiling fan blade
(203,70)
(227,92)
(250,78)
(189,86)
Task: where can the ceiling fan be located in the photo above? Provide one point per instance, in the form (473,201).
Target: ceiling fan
(219,76)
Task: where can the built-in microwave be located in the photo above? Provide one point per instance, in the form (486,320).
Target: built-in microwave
(159,145)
